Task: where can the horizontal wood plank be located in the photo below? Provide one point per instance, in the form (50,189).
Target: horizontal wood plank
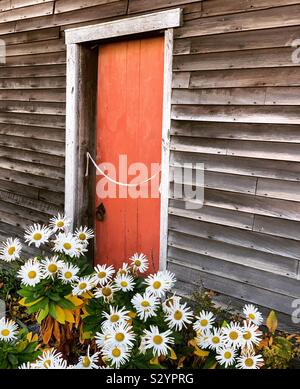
(255,20)
(280,76)
(264,58)
(241,131)
(240,114)
(245,40)
(268,168)
(238,96)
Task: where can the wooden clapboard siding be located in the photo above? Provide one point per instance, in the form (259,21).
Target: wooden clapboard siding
(235,109)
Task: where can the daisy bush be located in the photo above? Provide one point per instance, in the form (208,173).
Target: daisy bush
(115,317)
(49,282)
(17,346)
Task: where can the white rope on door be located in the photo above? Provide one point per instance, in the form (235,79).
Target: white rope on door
(89,157)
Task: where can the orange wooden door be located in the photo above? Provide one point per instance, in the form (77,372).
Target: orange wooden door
(129,127)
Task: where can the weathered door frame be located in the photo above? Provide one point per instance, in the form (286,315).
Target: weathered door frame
(81,111)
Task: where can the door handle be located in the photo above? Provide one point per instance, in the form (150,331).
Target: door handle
(100,212)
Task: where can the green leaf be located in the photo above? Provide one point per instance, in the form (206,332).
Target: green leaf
(52,310)
(272,322)
(54,296)
(24,293)
(42,314)
(66,304)
(13,360)
(22,346)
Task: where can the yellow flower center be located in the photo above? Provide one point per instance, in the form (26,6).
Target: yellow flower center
(114,318)
(47,363)
(137,263)
(60,224)
(124,284)
(86,361)
(233,335)
(119,337)
(68,275)
(37,236)
(67,246)
(178,315)
(145,304)
(215,339)
(106,291)
(52,268)
(5,332)
(11,250)
(156,284)
(204,322)
(227,355)
(247,335)
(249,362)
(157,339)
(122,272)
(32,274)
(82,285)
(251,316)
(101,274)
(82,236)
(116,352)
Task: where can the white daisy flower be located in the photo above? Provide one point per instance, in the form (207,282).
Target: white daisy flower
(159,342)
(179,316)
(250,335)
(37,235)
(250,361)
(160,283)
(59,223)
(106,292)
(116,355)
(48,359)
(125,283)
(83,234)
(205,321)
(170,302)
(120,334)
(142,348)
(68,244)
(145,305)
(8,330)
(139,262)
(62,365)
(103,274)
(81,249)
(102,338)
(68,273)
(252,314)
(83,284)
(226,356)
(115,316)
(26,366)
(215,338)
(88,361)
(51,266)
(203,339)
(232,335)
(125,269)
(10,250)
(30,273)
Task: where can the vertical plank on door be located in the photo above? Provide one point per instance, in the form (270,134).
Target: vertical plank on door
(130,100)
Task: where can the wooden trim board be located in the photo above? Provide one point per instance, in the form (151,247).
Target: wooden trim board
(134,25)
(80,125)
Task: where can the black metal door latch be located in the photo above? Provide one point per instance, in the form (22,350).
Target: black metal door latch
(100,212)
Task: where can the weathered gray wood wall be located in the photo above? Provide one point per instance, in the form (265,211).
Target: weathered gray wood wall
(235,108)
